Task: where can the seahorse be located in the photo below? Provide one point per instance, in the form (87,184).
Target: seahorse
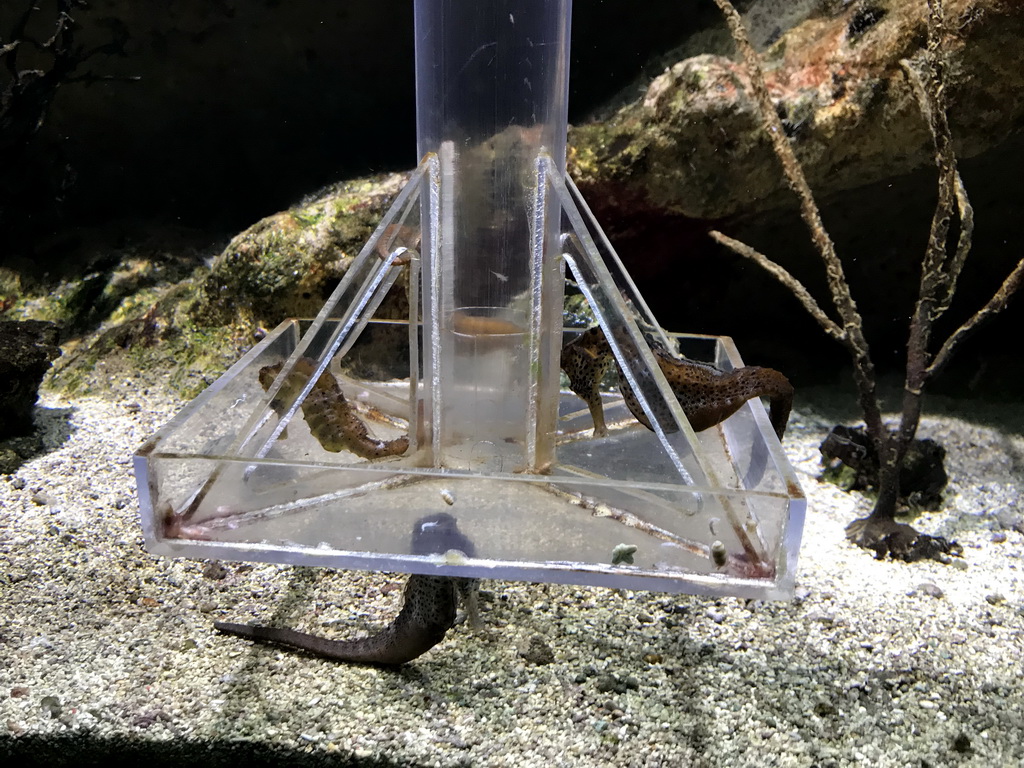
(331,419)
(707,394)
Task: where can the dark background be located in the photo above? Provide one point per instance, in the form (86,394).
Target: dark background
(243,108)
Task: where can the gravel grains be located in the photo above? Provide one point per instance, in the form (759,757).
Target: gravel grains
(874,663)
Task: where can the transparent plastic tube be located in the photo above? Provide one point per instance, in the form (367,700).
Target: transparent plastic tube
(484,66)
(492,94)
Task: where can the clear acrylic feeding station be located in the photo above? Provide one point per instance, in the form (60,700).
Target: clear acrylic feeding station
(329,442)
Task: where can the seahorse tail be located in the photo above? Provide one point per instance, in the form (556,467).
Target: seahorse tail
(429,612)
(368,448)
(767,382)
(385,647)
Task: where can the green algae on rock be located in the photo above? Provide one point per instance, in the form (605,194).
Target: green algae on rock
(282,266)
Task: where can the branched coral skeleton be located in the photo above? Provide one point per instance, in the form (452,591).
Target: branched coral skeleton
(940,271)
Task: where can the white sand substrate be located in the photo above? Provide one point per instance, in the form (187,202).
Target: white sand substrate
(875,663)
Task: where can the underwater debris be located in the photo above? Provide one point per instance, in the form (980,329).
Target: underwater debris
(886,537)
(848,452)
(623,553)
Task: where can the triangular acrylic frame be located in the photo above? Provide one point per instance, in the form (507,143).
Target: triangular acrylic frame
(267,464)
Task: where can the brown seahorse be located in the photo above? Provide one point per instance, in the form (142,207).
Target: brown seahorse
(331,420)
(429,611)
(707,394)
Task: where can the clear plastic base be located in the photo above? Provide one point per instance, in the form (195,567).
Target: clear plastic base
(331,441)
(610,511)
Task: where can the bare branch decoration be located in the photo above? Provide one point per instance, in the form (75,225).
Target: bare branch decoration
(940,272)
(785,277)
(852,334)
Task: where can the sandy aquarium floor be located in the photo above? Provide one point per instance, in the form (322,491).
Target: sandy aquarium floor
(105,648)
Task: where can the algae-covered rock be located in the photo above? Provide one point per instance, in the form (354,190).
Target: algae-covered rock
(694,144)
(284,265)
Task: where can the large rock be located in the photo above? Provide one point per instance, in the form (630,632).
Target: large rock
(694,144)
(284,265)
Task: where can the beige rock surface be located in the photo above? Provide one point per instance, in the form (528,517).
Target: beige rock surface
(694,145)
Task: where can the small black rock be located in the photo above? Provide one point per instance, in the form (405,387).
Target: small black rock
(962,744)
(27,349)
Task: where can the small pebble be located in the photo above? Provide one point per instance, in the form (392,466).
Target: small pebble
(1010,519)
(214,570)
(51,705)
(932,590)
